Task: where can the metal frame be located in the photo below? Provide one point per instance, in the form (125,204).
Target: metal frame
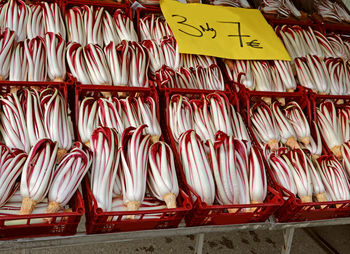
(83,239)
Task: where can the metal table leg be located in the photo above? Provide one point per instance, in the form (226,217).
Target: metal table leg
(199,243)
(288,239)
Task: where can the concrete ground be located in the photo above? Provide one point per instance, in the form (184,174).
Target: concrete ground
(246,242)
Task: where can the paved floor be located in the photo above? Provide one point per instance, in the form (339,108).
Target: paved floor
(250,242)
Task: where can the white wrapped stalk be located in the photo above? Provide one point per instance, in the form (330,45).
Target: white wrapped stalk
(301,174)
(30,101)
(11,165)
(117,186)
(76,62)
(240,71)
(93,24)
(67,177)
(320,74)
(223,163)
(203,123)
(56,120)
(285,72)
(75,25)
(304,74)
(110,114)
(220,111)
(125,26)
(147,110)
(19,64)
(242,167)
(104,145)
(37,174)
(197,167)
(13,124)
(88,119)
(35,25)
(131,114)
(180,116)
(325,45)
(139,62)
(315,145)
(97,65)
(134,159)
(16,17)
(334,179)
(56,52)
(36,56)
(328,123)
(53,19)
(7,39)
(262,76)
(317,184)
(171,53)
(339,76)
(154,28)
(345,150)
(215,78)
(118,60)
(281,171)
(257,177)
(162,179)
(155,54)
(239,128)
(299,122)
(285,128)
(264,125)
(109,29)
(344,122)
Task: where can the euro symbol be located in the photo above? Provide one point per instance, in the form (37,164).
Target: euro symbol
(254,44)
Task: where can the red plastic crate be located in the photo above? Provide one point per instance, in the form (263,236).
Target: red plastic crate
(203,214)
(274,21)
(98,221)
(293,209)
(62,224)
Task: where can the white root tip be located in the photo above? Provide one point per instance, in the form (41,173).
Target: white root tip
(154,139)
(252,209)
(14,89)
(267,100)
(306,199)
(121,94)
(336,150)
(321,197)
(170,200)
(340,101)
(107,94)
(305,140)
(53,207)
(232,210)
(28,206)
(60,154)
(35,87)
(273,144)
(58,80)
(282,101)
(132,206)
(292,143)
(291,90)
(88,144)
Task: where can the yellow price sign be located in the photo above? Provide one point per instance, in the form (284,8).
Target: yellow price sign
(226,32)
